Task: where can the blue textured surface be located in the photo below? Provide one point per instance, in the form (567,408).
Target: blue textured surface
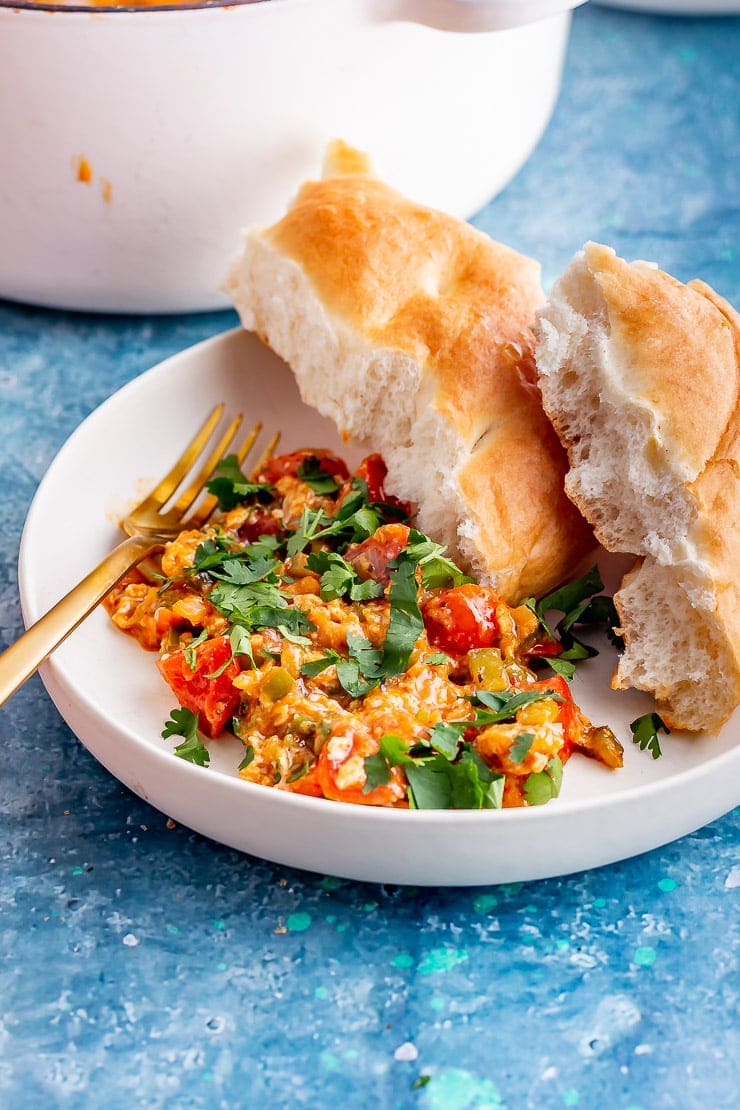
(144,965)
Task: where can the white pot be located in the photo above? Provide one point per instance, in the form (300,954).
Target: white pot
(135,144)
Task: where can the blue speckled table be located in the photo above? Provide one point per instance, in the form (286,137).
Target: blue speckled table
(143,965)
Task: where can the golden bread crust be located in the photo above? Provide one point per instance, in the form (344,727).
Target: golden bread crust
(415,280)
(406,278)
(655,367)
(677,352)
(513,490)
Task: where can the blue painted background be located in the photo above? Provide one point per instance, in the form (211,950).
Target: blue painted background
(143,965)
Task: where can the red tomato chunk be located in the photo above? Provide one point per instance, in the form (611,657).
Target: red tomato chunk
(213,698)
(462,618)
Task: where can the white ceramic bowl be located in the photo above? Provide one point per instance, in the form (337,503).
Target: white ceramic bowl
(136,143)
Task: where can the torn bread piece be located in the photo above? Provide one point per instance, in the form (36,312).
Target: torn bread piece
(412,331)
(640,376)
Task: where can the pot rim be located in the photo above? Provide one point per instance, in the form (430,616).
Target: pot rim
(131,9)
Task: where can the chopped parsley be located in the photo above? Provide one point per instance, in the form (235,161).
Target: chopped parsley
(231,488)
(436,570)
(503,705)
(359,673)
(183,722)
(542,786)
(434,781)
(248,757)
(406,624)
(582,606)
(313,474)
(339,578)
(520,748)
(189,650)
(645,731)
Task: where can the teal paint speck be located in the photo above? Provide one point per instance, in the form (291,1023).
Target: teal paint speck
(456,1089)
(173,930)
(437,1003)
(485,902)
(402,960)
(208,1076)
(562,945)
(329,1060)
(645,957)
(598,903)
(330,883)
(666,885)
(370,906)
(298,922)
(46,766)
(511,888)
(330,918)
(321,993)
(341,926)
(350,1054)
(571,1097)
(687,54)
(441,959)
(220,967)
(218,925)
(77,871)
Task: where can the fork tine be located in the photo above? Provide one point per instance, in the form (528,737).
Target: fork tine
(198,518)
(162,492)
(268,451)
(193,491)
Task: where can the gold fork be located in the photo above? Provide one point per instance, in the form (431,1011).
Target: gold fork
(149,527)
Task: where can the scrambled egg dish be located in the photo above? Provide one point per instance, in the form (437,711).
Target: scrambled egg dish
(353,660)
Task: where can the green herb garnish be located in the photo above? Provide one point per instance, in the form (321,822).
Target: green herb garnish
(248,757)
(542,786)
(434,781)
(231,488)
(183,722)
(645,731)
(579,606)
(189,649)
(520,748)
(313,474)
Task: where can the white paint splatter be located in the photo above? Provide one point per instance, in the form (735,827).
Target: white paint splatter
(643,1049)
(732,882)
(615,1016)
(406,1052)
(130,940)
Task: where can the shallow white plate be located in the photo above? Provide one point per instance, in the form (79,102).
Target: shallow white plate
(110,693)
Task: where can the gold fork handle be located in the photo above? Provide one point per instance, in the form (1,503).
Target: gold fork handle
(21,659)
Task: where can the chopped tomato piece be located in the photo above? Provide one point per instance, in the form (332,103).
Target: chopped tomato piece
(260,522)
(373,471)
(288,465)
(462,618)
(213,698)
(370,558)
(341,769)
(541,647)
